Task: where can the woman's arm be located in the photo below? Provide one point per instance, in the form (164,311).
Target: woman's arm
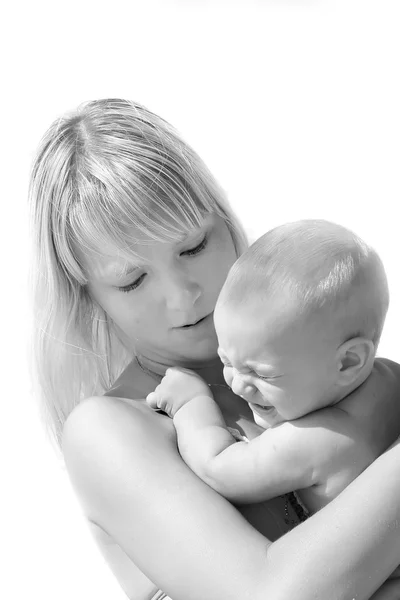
(389,591)
(193,544)
(135,585)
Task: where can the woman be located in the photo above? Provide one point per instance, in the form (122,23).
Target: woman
(133,243)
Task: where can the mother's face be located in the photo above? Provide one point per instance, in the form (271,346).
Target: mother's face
(170,287)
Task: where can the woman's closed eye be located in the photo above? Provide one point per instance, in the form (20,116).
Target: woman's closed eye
(191,252)
(133,285)
(197,249)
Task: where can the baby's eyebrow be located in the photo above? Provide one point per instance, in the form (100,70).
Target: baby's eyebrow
(261,366)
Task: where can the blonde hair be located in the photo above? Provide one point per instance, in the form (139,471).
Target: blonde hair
(320,266)
(109,165)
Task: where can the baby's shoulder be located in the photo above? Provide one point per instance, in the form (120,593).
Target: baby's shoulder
(374,407)
(382,387)
(386,372)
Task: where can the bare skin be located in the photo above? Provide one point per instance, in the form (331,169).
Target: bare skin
(238,416)
(159,505)
(157,520)
(319,453)
(129,391)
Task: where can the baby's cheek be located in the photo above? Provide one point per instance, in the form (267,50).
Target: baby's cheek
(228,376)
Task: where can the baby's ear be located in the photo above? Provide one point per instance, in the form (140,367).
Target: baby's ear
(355,359)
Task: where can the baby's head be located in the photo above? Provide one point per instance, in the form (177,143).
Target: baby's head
(299,319)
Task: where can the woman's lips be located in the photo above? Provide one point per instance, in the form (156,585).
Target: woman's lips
(195,324)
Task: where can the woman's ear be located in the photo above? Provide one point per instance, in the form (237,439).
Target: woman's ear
(355,359)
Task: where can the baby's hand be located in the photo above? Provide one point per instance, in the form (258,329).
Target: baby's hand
(176,389)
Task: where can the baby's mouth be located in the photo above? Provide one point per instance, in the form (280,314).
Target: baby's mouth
(261,407)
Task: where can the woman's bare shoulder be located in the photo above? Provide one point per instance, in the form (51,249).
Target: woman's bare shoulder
(102,440)
(96,420)
(121,416)
(121,411)
(105,433)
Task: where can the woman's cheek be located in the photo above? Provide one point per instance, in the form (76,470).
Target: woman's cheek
(129,315)
(222,254)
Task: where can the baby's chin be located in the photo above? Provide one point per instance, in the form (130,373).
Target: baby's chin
(267,421)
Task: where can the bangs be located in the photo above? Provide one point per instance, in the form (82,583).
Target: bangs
(128,179)
(103,217)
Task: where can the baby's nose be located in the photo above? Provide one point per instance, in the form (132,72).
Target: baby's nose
(241,387)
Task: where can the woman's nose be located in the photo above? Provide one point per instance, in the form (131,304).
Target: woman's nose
(181,292)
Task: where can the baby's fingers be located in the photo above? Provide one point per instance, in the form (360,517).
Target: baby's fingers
(152,400)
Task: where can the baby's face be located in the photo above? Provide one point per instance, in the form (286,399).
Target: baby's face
(282,365)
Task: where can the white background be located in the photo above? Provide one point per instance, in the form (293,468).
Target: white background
(295,108)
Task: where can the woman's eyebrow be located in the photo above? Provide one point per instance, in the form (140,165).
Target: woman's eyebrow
(118,270)
(191,234)
(127,270)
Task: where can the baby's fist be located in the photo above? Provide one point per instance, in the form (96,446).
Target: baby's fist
(176,389)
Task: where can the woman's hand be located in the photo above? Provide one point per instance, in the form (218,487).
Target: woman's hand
(176,389)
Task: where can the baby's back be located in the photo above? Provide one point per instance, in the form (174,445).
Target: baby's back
(348,437)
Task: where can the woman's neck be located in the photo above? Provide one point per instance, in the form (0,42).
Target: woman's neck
(210,370)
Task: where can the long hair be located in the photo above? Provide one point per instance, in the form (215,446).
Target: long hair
(109,165)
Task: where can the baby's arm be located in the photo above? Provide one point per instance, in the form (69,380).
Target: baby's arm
(200,426)
(202,434)
(276,462)
(293,455)
(176,529)
(324,451)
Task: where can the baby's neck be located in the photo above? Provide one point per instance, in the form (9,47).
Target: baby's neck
(349,389)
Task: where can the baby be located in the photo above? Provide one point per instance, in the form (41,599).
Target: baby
(298,324)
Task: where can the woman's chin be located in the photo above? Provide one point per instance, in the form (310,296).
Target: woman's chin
(197,355)
(204,350)
(185,348)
